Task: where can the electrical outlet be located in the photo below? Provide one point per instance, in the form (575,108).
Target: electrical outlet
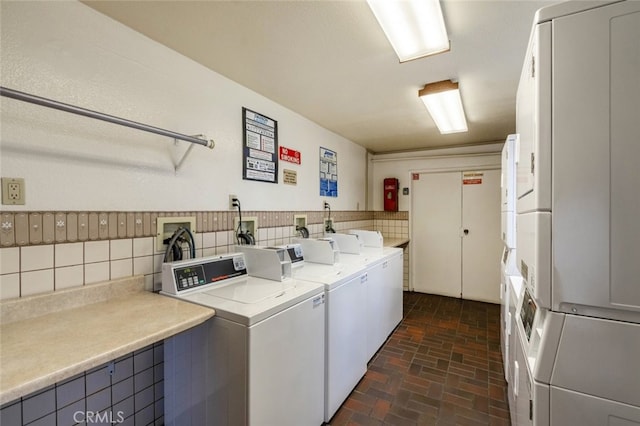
(231,198)
(13,191)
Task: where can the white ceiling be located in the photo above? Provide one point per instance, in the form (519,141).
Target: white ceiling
(330,62)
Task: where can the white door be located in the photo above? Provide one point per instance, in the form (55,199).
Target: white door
(436,214)
(456,234)
(481,242)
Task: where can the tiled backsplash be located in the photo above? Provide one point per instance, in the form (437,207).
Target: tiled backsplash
(33,268)
(29,228)
(129,391)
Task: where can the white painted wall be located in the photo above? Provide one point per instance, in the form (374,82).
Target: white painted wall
(402,165)
(68,52)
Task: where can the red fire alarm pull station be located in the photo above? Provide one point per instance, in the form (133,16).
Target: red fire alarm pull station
(391,186)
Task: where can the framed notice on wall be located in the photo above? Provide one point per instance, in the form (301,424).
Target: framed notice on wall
(260,151)
(328,173)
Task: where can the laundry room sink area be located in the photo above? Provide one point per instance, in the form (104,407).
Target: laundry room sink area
(48,338)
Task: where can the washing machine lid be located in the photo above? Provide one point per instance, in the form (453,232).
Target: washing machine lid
(250,290)
(370,255)
(237,302)
(331,276)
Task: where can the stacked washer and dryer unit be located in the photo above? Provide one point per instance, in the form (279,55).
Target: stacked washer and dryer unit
(510,278)
(577,350)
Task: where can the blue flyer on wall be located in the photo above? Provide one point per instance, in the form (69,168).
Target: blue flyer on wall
(328,173)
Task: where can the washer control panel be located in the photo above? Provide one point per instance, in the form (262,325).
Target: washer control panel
(527,313)
(192,274)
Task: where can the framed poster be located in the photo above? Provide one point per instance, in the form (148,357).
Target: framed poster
(328,173)
(260,151)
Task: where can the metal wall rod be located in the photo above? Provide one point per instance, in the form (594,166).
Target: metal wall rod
(26,97)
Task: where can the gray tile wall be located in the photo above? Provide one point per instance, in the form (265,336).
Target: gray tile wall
(127,391)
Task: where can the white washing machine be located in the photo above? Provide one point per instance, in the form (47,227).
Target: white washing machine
(384,291)
(259,360)
(345,291)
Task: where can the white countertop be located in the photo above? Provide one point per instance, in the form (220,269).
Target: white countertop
(47,338)
(395,242)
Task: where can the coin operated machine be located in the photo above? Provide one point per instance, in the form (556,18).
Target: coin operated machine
(391,186)
(577,325)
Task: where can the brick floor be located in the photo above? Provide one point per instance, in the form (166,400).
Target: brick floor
(441,366)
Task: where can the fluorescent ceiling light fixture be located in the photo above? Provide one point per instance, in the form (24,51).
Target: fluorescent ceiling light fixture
(443,102)
(415,28)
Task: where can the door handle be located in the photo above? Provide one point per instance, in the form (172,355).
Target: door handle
(466,232)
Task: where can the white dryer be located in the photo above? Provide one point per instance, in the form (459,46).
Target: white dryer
(578,322)
(258,361)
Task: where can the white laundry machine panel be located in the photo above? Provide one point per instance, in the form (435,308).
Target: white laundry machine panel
(504,310)
(599,357)
(596,266)
(347,243)
(384,291)
(578,203)
(533,255)
(521,406)
(508,302)
(533,124)
(574,369)
(508,268)
(369,238)
(384,287)
(286,366)
(345,324)
(590,384)
(580,168)
(508,192)
(515,293)
(259,360)
(574,408)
